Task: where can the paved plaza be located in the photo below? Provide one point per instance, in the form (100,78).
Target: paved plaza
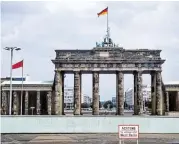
(86,139)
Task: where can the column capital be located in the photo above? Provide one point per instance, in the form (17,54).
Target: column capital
(95,71)
(158,71)
(57,71)
(119,71)
(137,72)
(152,72)
(77,71)
(50,91)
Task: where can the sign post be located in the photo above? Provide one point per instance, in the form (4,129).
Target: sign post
(128,132)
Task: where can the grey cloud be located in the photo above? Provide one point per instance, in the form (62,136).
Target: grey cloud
(21,7)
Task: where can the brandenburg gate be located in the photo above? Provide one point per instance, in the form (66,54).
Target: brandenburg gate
(108,58)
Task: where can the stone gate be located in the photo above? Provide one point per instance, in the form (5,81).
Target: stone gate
(109,59)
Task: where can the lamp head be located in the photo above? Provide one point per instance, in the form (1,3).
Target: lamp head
(17,49)
(12,48)
(7,48)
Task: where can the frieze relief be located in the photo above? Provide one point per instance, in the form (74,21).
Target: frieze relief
(101,65)
(109,65)
(128,65)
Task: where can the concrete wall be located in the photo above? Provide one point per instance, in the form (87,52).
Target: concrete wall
(82,124)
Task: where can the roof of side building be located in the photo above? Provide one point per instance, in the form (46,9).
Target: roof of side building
(172,83)
(27,82)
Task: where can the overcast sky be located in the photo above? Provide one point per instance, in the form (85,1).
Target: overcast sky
(41,27)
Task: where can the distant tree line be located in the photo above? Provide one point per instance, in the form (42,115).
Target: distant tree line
(107,105)
(86,105)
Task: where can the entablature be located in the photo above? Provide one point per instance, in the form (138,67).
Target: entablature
(172,87)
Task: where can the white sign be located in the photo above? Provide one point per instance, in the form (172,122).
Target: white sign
(128,131)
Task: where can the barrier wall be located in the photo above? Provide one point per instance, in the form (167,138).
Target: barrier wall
(90,124)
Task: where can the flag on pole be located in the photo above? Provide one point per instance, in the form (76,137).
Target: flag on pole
(103,12)
(17,65)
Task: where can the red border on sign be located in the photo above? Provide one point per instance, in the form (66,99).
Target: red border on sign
(128,125)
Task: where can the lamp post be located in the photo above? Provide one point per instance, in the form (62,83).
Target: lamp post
(11,49)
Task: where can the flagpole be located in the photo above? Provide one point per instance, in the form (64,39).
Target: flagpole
(22,86)
(107,26)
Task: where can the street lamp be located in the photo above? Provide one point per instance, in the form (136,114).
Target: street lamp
(11,49)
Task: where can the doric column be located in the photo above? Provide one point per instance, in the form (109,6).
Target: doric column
(135,93)
(8,100)
(58,98)
(138,96)
(63,96)
(177,101)
(49,102)
(80,93)
(38,105)
(120,93)
(15,105)
(4,106)
(26,102)
(159,98)
(95,93)
(53,103)
(139,93)
(167,101)
(153,92)
(77,105)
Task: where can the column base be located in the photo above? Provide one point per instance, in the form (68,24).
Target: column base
(119,114)
(95,114)
(153,114)
(142,114)
(77,114)
(135,114)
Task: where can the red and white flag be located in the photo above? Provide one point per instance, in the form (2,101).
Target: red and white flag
(17,65)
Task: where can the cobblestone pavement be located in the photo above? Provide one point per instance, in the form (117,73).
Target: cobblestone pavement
(86,139)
